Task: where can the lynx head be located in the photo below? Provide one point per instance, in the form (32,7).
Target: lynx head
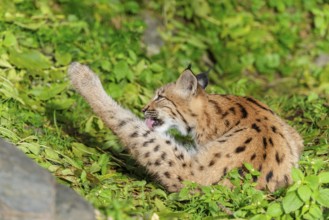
(172,103)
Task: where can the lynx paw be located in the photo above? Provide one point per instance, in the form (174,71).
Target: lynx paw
(81,76)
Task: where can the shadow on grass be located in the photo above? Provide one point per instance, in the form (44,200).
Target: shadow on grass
(67,123)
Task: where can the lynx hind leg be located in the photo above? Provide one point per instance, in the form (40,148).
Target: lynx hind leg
(82,78)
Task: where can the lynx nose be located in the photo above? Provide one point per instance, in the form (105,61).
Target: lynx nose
(145,108)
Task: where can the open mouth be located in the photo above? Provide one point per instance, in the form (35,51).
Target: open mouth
(153,122)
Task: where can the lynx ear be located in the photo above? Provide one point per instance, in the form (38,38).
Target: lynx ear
(203,78)
(187,83)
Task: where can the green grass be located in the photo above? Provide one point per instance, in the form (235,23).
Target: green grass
(265,49)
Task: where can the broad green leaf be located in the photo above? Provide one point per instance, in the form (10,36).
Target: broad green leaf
(83,149)
(10,39)
(51,154)
(291,202)
(297,174)
(32,147)
(315,211)
(71,161)
(5,63)
(8,90)
(313,181)
(30,25)
(46,93)
(274,210)
(63,58)
(323,197)
(324,177)
(83,176)
(304,192)
(61,104)
(201,7)
(258,217)
(122,71)
(156,67)
(103,163)
(160,205)
(8,134)
(95,168)
(31,60)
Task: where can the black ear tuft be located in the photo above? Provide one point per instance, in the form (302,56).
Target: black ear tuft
(189,67)
(203,78)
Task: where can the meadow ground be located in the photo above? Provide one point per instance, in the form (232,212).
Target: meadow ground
(276,51)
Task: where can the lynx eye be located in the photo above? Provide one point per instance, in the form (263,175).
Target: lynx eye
(159,97)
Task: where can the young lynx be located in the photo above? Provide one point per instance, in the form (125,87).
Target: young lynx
(228,130)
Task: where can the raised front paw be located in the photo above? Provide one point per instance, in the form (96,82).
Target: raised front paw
(82,78)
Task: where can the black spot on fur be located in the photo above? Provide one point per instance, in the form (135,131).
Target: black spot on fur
(255,127)
(264,156)
(201,168)
(277,157)
(184,164)
(167,174)
(237,123)
(271,141)
(264,142)
(147,155)
(146,133)
(211,163)
(225,171)
(240,149)
(168,142)
(227,123)
(181,156)
(133,135)
(273,129)
(253,157)
(248,140)
(218,155)
(156,148)
(241,129)
(170,163)
(224,115)
(258,120)
(244,112)
(269,176)
(217,108)
(258,104)
(163,155)
(286,179)
(157,162)
(122,123)
(148,142)
(192,173)
(179,178)
(260,168)
(232,109)
(222,141)
(228,155)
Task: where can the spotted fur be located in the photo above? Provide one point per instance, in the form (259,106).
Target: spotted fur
(228,130)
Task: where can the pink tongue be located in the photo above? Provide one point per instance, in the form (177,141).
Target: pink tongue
(149,122)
